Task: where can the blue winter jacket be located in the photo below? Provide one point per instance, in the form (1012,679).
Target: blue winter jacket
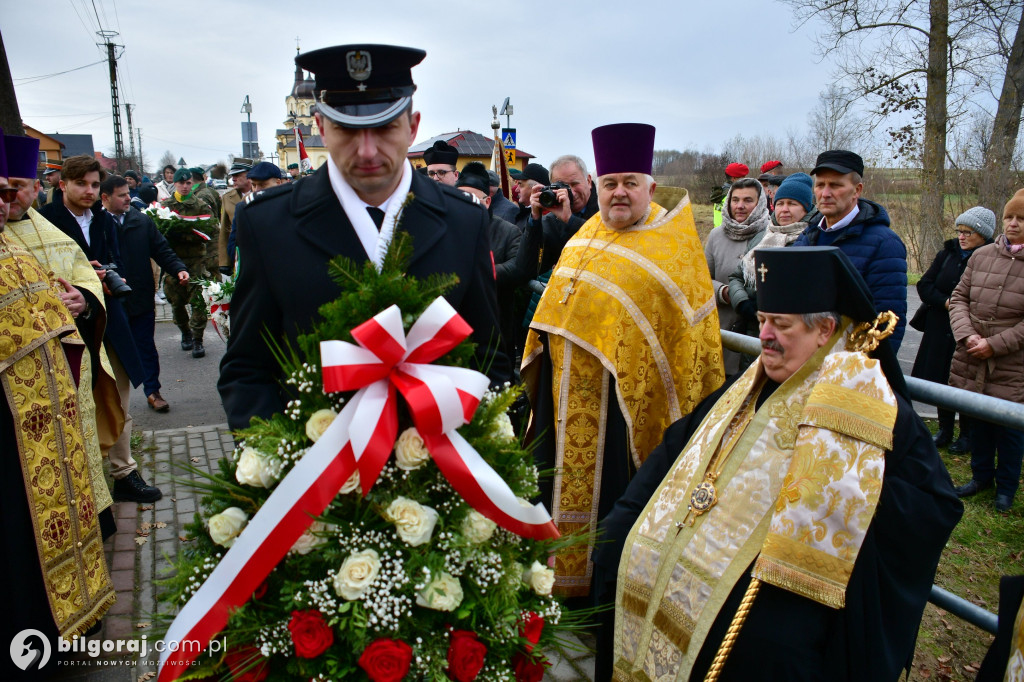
(878,254)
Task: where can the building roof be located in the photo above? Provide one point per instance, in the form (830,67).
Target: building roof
(466,141)
(32,132)
(75,145)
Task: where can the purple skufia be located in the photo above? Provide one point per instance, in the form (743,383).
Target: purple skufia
(22,154)
(623,148)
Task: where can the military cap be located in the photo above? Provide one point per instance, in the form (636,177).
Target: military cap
(737,170)
(441,152)
(362,86)
(182,174)
(839,160)
(22,156)
(474,175)
(770,165)
(293,165)
(52,168)
(240,166)
(515,173)
(197,173)
(264,170)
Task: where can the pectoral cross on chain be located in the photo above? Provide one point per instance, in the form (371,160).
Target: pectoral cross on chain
(567,291)
(763,270)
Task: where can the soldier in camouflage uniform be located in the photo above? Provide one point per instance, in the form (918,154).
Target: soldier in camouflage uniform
(212,197)
(193,252)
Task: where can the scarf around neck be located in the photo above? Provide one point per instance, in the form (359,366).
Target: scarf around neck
(775,236)
(758,219)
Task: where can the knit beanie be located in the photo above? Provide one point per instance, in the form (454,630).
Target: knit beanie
(798,188)
(981,219)
(1015,205)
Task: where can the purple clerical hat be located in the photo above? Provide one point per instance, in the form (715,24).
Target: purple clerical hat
(22,156)
(624,148)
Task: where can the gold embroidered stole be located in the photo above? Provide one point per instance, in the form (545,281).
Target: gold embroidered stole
(62,256)
(641,310)
(1015,664)
(796,495)
(40,392)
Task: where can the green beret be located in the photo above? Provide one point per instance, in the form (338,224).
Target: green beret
(182,174)
(292,165)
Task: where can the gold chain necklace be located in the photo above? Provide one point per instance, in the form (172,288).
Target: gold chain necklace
(704,495)
(51,275)
(568,290)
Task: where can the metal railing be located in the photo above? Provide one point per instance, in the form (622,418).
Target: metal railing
(983,407)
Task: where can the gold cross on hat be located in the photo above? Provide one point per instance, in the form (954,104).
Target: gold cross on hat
(763,270)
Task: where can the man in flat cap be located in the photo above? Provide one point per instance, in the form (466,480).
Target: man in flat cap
(265,175)
(441,158)
(240,187)
(534,175)
(860,228)
(805,487)
(191,249)
(350,206)
(623,342)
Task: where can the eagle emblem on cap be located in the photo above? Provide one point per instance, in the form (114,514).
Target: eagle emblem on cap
(359,65)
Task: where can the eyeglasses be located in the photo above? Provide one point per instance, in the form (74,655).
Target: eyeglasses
(8,194)
(439,173)
(964,233)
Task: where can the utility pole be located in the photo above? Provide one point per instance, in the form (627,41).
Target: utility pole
(115,104)
(138,133)
(131,135)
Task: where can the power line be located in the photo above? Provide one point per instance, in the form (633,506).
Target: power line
(182,144)
(91,113)
(33,79)
(78,14)
(77,125)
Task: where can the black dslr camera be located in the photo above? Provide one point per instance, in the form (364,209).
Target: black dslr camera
(115,283)
(547,196)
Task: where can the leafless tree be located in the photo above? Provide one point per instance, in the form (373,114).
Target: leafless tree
(996,182)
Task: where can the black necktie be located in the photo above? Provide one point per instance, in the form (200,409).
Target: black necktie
(376,215)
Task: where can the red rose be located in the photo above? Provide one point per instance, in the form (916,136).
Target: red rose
(529,669)
(310,634)
(247,664)
(530,628)
(260,591)
(386,660)
(465,656)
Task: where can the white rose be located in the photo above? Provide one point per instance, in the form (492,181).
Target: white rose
(477,528)
(410,453)
(257,470)
(413,521)
(540,578)
(226,526)
(356,574)
(318,423)
(351,484)
(311,538)
(502,427)
(215,290)
(444,593)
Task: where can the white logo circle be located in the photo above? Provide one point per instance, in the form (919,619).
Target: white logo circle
(26,654)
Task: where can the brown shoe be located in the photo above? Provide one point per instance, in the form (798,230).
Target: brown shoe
(157,402)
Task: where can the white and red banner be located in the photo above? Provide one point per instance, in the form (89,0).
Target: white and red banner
(361,438)
(305,165)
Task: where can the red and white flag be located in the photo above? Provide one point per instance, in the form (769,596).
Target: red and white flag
(304,163)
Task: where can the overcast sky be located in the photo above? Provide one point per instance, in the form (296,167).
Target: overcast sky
(700,71)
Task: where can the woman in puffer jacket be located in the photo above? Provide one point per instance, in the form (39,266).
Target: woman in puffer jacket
(987,315)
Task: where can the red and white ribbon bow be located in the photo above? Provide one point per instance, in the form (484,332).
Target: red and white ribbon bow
(361,438)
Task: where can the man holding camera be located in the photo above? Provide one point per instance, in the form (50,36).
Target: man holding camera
(81,217)
(562,207)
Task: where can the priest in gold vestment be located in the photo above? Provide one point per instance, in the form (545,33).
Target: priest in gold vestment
(802,508)
(624,342)
(54,569)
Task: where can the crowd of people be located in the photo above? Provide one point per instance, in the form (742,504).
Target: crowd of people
(698,477)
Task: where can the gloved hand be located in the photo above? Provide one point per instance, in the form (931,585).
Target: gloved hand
(748,311)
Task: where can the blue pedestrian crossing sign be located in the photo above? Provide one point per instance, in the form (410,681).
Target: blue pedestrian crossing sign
(508,138)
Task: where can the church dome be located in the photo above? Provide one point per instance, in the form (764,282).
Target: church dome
(303,89)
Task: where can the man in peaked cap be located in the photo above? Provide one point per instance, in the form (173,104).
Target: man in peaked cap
(441,158)
(240,187)
(350,206)
(835,555)
(623,342)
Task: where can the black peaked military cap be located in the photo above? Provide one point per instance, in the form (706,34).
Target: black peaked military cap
(797,280)
(362,86)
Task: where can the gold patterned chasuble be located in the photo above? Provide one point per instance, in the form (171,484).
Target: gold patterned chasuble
(99,406)
(635,306)
(40,392)
(797,495)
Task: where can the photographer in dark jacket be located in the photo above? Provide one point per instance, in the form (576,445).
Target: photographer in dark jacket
(140,241)
(575,200)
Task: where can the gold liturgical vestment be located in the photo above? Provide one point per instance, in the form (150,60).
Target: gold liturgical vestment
(40,392)
(633,308)
(800,484)
(99,405)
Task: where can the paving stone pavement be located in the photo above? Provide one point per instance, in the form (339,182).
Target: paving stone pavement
(148,538)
